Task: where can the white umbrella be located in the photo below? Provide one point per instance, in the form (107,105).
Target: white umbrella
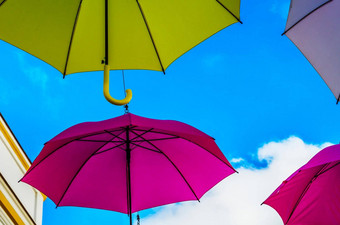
(314,27)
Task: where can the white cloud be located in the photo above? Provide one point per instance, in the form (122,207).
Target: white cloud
(236,160)
(237,199)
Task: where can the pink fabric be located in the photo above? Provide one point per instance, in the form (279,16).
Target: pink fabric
(311,195)
(85,165)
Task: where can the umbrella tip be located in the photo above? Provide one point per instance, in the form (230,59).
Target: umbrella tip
(138,219)
(337,101)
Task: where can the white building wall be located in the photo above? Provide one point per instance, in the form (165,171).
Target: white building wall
(4,219)
(12,170)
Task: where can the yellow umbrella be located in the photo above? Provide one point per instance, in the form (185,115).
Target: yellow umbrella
(81,35)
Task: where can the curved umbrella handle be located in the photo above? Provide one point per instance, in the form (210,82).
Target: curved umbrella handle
(107,95)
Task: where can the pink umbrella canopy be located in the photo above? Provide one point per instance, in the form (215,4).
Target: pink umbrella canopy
(314,27)
(127,164)
(311,195)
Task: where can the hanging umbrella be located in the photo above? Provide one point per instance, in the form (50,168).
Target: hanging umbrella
(313,26)
(127,164)
(311,195)
(81,35)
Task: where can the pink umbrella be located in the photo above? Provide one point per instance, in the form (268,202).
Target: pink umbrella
(311,195)
(127,164)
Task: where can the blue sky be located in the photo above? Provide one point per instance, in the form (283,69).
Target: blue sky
(245,86)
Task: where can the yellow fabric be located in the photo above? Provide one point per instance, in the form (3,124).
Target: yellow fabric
(44,29)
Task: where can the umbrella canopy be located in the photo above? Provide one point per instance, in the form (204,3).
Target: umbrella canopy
(311,195)
(314,28)
(80,35)
(127,164)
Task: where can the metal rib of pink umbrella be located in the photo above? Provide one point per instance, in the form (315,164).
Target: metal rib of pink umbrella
(127,164)
(314,27)
(311,195)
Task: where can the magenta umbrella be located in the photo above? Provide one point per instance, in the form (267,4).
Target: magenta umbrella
(127,164)
(311,195)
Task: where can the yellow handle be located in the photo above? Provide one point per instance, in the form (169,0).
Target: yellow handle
(107,95)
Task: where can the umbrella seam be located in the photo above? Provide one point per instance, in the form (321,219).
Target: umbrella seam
(77,139)
(322,172)
(305,16)
(82,166)
(197,145)
(2,2)
(71,39)
(173,165)
(238,19)
(305,191)
(152,40)
(38,163)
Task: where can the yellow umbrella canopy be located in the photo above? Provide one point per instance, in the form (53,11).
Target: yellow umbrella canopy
(81,35)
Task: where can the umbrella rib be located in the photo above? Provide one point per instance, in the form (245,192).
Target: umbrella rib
(46,157)
(173,165)
(91,134)
(152,40)
(116,136)
(150,149)
(2,2)
(82,166)
(159,139)
(193,143)
(305,191)
(61,147)
(109,149)
(229,11)
(71,40)
(305,16)
(322,172)
(157,132)
(112,140)
(147,131)
(100,141)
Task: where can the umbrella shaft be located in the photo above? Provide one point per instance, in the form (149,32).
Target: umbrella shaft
(106,33)
(128,173)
